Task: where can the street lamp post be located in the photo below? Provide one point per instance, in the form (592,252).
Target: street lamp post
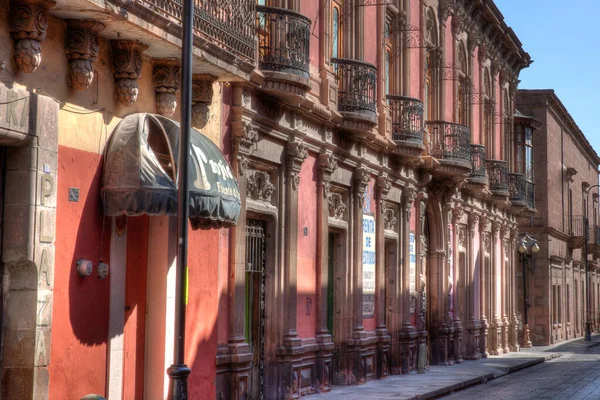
(586,228)
(527,247)
(178,372)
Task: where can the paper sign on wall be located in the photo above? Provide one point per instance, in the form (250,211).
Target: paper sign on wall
(368,264)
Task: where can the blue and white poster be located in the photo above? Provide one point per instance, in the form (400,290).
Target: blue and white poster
(412,271)
(368,264)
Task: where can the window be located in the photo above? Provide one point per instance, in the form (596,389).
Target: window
(463,100)
(488,113)
(336,31)
(430,84)
(389,74)
(529,153)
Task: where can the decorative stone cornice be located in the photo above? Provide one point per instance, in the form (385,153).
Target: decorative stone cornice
(337,208)
(28,25)
(245,137)
(81,47)
(166,77)
(202,95)
(259,186)
(327,164)
(127,69)
(297,152)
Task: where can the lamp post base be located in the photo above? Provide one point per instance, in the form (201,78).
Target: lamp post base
(588,332)
(178,375)
(526,340)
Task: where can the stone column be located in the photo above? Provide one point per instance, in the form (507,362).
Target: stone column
(408,335)
(473,327)
(238,354)
(483,340)
(327,165)
(505,282)
(361,180)
(297,152)
(514,236)
(383,185)
(459,293)
(496,290)
(29,232)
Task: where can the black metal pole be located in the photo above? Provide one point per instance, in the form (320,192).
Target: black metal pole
(524,262)
(178,372)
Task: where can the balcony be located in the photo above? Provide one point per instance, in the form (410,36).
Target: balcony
(517,189)
(576,232)
(224,30)
(450,144)
(477,165)
(498,179)
(407,124)
(284,53)
(357,82)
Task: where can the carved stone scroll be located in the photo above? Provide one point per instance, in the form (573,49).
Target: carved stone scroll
(127,69)
(202,94)
(327,164)
(166,77)
(28,24)
(81,47)
(297,152)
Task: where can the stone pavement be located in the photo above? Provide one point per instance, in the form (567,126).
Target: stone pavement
(443,380)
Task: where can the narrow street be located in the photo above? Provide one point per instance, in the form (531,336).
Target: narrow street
(575,375)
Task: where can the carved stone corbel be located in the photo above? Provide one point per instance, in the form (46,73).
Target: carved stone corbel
(473,220)
(202,94)
(409,194)
(81,47)
(166,78)
(245,137)
(383,185)
(127,69)
(361,180)
(327,164)
(28,24)
(457,214)
(297,152)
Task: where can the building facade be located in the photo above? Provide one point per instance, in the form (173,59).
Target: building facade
(374,148)
(566,179)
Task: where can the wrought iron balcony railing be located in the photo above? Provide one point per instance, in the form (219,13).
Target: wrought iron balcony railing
(228,24)
(477,161)
(407,118)
(357,83)
(450,141)
(283,41)
(576,226)
(498,175)
(530,194)
(517,187)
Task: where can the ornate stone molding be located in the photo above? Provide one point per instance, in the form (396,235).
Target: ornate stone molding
(337,208)
(127,69)
(245,137)
(473,221)
(462,242)
(259,186)
(409,194)
(390,220)
(483,223)
(327,165)
(202,95)
(166,77)
(297,152)
(242,165)
(361,180)
(28,24)
(457,214)
(81,47)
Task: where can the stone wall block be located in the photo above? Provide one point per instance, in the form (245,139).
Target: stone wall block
(44,259)
(17,383)
(17,347)
(46,225)
(41,381)
(17,241)
(22,275)
(22,158)
(47,123)
(46,190)
(42,347)
(17,314)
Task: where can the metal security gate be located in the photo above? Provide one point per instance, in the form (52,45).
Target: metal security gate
(255,302)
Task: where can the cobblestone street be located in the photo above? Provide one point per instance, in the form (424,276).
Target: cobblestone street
(572,376)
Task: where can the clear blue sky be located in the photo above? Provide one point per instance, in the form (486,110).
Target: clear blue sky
(564,42)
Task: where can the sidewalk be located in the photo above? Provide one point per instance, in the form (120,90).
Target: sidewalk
(441,380)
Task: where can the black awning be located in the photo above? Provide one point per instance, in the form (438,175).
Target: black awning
(140,170)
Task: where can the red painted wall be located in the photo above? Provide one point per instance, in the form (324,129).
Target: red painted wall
(310,9)
(202,309)
(306,312)
(134,337)
(80,309)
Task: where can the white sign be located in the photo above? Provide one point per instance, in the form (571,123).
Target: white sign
(412,271)
(368,264)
